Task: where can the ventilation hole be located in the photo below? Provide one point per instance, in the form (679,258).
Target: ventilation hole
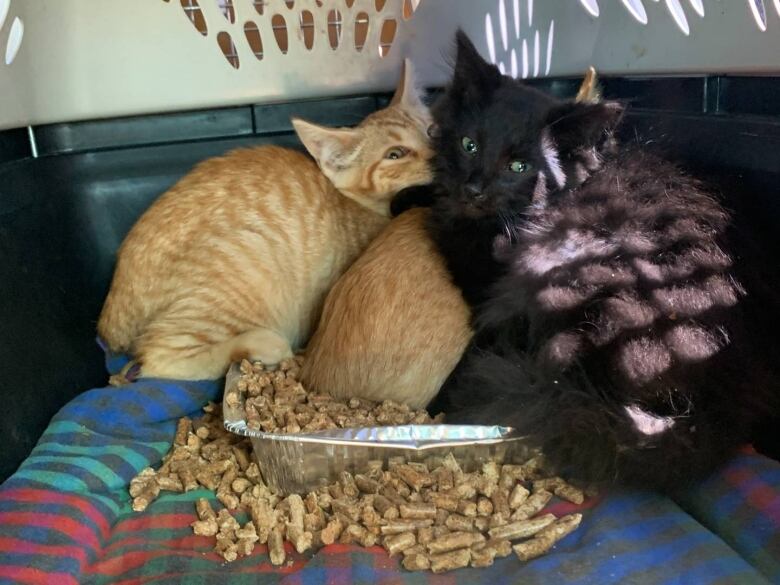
(226,7)
(517,18)
(5,5)
(550,36)
(409,8)
(254,40)
(387,36)
(513,63)
(537,53)
(759,13)
(637,10)
(698,6)
(350,3)
(334,28)
(678,14)
(380,5)
(14,40)
(259,6)
(592,6)
(228,48)
(491,40)
(502,24)
(502,68)
(777,7)
(290,3)
(530,12)
(525,59)
(307,28)
(194,13)
(361,30)
(280,32)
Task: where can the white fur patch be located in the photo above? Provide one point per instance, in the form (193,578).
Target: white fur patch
(581,173)
(684,301)
(691,343)
(539,200)
(646,423)
(560,298)
(562,349)
(648,270)
(601,275)
(541,258)
(629,313)
(550,153)
(640,360)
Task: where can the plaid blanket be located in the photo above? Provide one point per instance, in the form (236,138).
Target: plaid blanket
(65,517)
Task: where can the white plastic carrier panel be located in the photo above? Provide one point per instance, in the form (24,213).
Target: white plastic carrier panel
(68,60)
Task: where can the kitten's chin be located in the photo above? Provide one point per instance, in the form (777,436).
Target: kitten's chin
(475,211)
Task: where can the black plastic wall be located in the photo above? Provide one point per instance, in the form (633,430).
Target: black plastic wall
(64,213)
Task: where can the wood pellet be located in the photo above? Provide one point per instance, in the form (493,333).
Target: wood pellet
(276,402)
(432,516)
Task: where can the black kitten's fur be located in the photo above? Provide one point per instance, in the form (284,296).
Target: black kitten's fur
(609,324)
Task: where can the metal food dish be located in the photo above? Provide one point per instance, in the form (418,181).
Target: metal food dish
(302,462)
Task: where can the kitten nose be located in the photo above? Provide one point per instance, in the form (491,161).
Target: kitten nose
(473,190)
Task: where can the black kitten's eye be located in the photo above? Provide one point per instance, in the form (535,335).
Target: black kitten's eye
(519,166)
(396,152)
(469,145)
(433,131)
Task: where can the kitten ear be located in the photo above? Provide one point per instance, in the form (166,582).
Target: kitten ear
(326,145)
(575,125)
(406,94)
(473,76)
(590,90)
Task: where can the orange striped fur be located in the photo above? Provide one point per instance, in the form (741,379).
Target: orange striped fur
(394,325)
(235,260)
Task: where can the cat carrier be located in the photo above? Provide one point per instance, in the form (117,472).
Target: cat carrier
(104,105)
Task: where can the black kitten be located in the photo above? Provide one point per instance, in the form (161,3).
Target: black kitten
(494,157)
(608,321)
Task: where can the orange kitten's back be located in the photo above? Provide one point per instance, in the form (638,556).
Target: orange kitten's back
(236,259)
(219,228)
(394,326)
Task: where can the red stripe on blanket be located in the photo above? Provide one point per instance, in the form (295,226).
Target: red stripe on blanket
(762,497)
(190,542)
(51,497)
(25,547)
(132,560)
(348,548)
(562,508)
(68,526)
(36,576)
(151,521)
(219,574)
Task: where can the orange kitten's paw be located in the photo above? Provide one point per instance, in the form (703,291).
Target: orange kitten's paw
(126,375)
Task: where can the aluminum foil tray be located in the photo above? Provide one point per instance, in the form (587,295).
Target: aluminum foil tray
(302,462)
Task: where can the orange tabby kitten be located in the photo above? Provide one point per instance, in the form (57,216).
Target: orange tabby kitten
(394,325)
(235,260)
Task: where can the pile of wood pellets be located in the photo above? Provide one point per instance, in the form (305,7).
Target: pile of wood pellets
(432,513)
(276,402)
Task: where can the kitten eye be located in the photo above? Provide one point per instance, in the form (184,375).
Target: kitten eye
(433,131)
(519,166)
(396,152)
(469,145)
